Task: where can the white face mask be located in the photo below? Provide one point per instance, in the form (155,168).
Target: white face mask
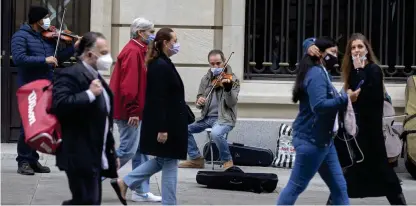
(46,23)
(104,62)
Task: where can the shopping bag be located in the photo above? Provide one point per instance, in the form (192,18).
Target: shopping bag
(285,152)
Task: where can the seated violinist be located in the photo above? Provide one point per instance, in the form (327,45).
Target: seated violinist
(218,110)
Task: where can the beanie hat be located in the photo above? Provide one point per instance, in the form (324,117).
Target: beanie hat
(324,43)
(37,13)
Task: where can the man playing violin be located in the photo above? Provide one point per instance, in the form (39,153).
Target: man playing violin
(218,110)
(34,57)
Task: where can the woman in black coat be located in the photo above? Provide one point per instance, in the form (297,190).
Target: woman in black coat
(164,129)
(373,177)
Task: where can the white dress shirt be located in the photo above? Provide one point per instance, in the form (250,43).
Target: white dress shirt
(104,160)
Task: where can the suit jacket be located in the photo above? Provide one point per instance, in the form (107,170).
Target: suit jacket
(165,110)
(82,123)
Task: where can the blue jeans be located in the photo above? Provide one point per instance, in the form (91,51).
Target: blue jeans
(309,160)
(24,152)
(218,134)
(129,149)
(169,169)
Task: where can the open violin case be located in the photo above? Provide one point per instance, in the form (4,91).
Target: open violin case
(235,179)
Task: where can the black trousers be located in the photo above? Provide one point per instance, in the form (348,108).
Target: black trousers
(85,188)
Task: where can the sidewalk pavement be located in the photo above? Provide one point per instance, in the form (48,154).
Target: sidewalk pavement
(52,188)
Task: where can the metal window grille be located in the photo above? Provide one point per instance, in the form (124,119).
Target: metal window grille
(275,31)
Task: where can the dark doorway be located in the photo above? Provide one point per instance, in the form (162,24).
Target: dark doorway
(13,15)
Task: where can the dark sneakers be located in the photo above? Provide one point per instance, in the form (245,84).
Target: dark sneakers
(29,169)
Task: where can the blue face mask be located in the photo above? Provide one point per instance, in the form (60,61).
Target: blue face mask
(216,71)
(175,48)
(151,38)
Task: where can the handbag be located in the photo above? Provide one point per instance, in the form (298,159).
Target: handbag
(190,115)
(350,124)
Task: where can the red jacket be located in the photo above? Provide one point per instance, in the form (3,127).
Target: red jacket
(128,81)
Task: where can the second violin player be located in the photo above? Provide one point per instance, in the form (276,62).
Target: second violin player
(217,98)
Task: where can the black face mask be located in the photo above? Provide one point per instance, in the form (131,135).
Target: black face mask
(330,61)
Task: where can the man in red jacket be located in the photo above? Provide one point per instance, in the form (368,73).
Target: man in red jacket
(128,83)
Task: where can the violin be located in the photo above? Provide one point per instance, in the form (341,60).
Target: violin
(66,36)
(217,82)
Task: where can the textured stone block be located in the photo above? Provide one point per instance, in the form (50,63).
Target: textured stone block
(163,12)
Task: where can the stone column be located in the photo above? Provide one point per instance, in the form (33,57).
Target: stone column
(101,12)
(233,34)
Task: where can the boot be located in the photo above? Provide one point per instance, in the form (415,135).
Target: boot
(228,164)
(195,163)
(38,168)
(25,169)
(397,199)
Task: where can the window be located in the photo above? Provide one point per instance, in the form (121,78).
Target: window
(77,15)
(275,31)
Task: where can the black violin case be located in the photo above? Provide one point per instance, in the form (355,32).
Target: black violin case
(242,155)
(235,179)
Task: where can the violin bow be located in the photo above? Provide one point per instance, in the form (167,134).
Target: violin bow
(59,33)
(219,76)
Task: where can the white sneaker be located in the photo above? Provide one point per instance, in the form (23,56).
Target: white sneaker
(145,197)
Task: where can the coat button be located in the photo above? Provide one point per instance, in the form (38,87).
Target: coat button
(326,145)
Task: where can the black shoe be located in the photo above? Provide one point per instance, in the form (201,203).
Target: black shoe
(38,168)
(25,169)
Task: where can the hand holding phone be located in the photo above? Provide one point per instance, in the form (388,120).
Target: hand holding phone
(359,84)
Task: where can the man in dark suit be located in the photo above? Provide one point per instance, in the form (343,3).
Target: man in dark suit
(82,102)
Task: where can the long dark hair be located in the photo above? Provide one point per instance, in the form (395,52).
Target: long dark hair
(305,64)
(156,46)
(347,63)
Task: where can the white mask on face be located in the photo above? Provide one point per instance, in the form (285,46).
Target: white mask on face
(46,23)
(104,62)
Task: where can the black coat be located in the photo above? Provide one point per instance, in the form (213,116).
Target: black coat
(82,123)
(165,110)
(374,177)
